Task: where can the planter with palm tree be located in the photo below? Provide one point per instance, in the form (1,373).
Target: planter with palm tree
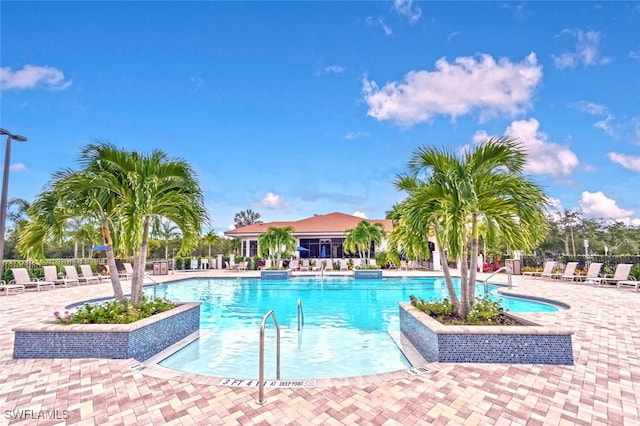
(276,244)
(358,241)
(449,196)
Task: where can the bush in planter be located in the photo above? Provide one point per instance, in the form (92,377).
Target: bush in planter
(114,312)
(484,311)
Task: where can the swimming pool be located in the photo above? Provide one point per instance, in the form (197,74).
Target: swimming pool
(345,333)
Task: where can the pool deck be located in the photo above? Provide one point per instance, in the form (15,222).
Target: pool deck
(602,388)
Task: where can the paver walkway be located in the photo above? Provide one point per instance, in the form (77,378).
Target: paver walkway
(603,387)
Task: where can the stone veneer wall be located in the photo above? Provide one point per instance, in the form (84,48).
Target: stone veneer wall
(276,275)
(532,344)
(140,340)
(367,274)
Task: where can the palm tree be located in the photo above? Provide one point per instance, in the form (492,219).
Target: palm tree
(454,195)
(72,195)
(358,240)
(209,238)
(277,241)
(147,186)
(166,230)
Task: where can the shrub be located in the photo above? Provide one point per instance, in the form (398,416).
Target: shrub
(114,312)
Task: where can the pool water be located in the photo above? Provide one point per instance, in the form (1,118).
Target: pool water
(345,332)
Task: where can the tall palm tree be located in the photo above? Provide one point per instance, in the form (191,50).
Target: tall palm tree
(166,230)
(276,242)
(71,195)
(245,217)
(358,240)
(456,193)
(209,238)
(147,186)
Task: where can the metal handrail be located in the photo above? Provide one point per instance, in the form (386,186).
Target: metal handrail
(300,314)
(272,314)
(155,283)
(505,269)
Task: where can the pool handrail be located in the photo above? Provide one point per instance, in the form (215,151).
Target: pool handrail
(300,314)
(505,269)
(155,283)
(272,314)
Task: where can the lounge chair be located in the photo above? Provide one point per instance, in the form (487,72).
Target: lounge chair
(128,271)
(621,274)
(242,266)
(344,265)
(568,272)
(547,270)
(294,265)
(6,287)
(305,265)
(71,272)
(592,272)
(21,277)
(88,274)
(631,283)
(51,274)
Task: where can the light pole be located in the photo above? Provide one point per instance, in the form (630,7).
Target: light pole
(5,187)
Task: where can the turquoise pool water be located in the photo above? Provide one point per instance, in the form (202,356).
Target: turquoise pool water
(345,333)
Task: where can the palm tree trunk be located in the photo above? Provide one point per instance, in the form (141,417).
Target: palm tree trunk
(465,299)
(447,273)
(473,268)
(137,290)
(111,261)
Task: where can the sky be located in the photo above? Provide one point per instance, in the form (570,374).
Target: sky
(299,108)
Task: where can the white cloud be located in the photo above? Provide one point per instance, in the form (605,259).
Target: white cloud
(31,76)
(587,50)
(590,107)
(630,162)
(356,135)
(18,167)
(406,8)
(360,214)
(606,124)
(635,54)
(333,69)
(543,156)
(273,202)
(379,23)
(598,205)
(484,84)
(197,81)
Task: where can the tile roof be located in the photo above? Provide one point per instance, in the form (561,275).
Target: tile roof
(317,224)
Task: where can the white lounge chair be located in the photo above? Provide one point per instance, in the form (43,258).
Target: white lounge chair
(547,270)
(71,272)
(305,265)
(128,271)
(88,274)
(621,274)
(21,277)
(568,272)
(6,287)
(592,272)
(631,283)
(344,265)
(51,274)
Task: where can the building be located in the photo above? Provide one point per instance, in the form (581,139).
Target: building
(319,234)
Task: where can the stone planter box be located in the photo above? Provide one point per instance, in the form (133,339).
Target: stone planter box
(140,340)
(528,344)
(367,274)
(276,275)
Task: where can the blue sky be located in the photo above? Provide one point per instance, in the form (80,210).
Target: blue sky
(296,108)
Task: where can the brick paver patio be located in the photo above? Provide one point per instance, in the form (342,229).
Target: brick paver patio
(603,387)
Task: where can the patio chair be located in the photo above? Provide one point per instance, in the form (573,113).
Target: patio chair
(344,265)
(6,287)
(305,265)
(51,274)
(592,272)
(88,274)
(621,274)
(127,273)
(632,283)
(71,272)
(547,270)
(242,266)
(21,277)
(568,272)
